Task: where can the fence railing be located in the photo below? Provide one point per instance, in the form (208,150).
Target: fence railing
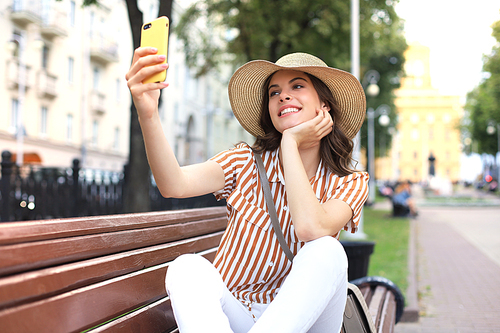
(34,192)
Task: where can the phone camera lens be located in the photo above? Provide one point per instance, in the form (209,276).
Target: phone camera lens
(147,26)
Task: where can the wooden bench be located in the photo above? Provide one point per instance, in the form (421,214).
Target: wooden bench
(384,300)
(96,274)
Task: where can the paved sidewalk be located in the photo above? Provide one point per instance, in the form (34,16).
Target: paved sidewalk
(458,270)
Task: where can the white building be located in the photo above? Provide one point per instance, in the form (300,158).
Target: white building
(76,102)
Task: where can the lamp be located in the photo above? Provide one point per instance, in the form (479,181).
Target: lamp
(384,120)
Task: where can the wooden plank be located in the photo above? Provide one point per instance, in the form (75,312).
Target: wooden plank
(388,314)
(29,231)
(156,317)
(376,303)
(34,255)
(366,291)
(87,307)
(31,286)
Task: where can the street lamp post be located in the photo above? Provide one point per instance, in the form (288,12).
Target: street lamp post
(491,129)
(20,40)
(382,111)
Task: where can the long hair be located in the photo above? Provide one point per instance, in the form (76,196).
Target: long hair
(335,148)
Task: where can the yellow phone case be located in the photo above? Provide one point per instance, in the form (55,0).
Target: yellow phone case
(155,34)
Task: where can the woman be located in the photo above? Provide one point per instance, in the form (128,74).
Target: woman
(304,115)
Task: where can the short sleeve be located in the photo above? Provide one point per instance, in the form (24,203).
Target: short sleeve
(232,162)
(353,190)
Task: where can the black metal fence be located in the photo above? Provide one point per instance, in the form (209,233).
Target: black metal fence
(34,192)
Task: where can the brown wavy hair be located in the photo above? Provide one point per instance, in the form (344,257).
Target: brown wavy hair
(335,148)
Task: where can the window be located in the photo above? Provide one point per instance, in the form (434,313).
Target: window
(14,115)
(71,65)
(95,132)
(71,13)
(45,56)
(116,142)
(97,74)
(414,134)
(43,120)
(69,127)
(118,88)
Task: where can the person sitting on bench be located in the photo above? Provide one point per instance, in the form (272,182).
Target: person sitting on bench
(304,115)
(403,202)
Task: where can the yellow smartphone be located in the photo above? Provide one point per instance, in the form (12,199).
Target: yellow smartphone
(155,34)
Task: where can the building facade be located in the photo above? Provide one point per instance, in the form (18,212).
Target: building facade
(427,140)
(71,62)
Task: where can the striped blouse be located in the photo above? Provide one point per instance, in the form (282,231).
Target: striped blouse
(249,258)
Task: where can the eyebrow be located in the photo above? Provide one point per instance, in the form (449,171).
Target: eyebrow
(291,81)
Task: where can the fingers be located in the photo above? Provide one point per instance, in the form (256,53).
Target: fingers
(145,63)
(324,122)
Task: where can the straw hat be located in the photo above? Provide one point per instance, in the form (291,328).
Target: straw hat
(246,90)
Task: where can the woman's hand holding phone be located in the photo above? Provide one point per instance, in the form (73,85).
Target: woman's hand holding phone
(145,63)
(149,67)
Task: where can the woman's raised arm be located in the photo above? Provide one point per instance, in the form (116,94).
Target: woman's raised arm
(172,180)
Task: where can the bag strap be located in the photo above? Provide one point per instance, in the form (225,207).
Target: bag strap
(271,208)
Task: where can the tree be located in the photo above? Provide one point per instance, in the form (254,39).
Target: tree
(268,29)
(483,103)
(137,173)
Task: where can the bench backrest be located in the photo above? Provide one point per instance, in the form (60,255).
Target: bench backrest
(71,275)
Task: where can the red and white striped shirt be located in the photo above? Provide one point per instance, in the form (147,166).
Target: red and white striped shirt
(250,258)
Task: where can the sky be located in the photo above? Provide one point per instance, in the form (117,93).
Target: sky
(458,33)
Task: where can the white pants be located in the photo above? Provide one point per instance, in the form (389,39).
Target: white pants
(312,298)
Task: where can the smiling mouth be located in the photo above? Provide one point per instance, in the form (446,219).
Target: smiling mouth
(288,110)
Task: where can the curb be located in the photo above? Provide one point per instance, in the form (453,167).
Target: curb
(411,310)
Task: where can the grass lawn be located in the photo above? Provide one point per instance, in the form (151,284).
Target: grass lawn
(390,254)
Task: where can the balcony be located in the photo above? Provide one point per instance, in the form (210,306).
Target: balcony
(25,12)
(97,101)
(103,50)
(54,24)
(12,75)
(46,84)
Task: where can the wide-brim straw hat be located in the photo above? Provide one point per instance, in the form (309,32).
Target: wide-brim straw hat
(246,91)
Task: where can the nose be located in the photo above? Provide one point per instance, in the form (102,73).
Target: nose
(284,97)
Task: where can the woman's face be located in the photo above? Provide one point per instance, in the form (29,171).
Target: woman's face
(292,99)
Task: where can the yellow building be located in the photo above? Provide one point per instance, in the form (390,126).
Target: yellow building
(427,125)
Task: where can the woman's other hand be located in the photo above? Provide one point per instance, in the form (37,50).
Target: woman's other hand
(144,64)
(309,133)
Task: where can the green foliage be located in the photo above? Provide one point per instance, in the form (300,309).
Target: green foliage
(483,103)
(268,29)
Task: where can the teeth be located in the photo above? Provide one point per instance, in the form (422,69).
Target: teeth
(289,110)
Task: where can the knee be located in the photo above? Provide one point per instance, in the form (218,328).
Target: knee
(327,251)
(184,269)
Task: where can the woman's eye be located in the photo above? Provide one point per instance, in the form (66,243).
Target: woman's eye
(298,86)
(273,93)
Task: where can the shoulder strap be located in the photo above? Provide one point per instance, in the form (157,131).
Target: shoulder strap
(271,208)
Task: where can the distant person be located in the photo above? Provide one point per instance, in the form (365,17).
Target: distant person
(304,116)
(402,197)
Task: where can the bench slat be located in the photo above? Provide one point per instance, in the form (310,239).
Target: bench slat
(156,317)
(29,231)
(31,286)
(376,304)
(34,255)
(388,314)
(87,307)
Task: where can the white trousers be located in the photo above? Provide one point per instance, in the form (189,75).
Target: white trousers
(312,298)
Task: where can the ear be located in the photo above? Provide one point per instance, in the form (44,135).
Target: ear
(325,107)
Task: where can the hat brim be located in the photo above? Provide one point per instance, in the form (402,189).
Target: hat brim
(246,94)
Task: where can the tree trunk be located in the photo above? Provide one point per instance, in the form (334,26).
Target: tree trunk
(137,173)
